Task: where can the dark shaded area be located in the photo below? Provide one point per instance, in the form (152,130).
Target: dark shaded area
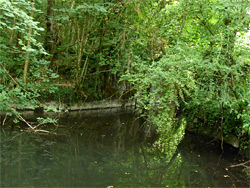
(205,164)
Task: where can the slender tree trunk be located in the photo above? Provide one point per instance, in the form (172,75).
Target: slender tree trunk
(26,64)
(49,39)
(12,37)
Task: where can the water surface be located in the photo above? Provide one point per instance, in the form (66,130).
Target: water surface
(113,148)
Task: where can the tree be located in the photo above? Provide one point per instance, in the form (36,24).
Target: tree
(203,73)
(24,75)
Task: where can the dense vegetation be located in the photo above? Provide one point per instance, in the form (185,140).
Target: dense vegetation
(177,58)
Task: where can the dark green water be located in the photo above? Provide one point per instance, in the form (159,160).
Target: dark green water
(112,148)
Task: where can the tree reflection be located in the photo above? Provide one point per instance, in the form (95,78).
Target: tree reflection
(114,150)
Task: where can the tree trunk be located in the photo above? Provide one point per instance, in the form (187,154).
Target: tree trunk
(26,64)
(49,39)
(12,37)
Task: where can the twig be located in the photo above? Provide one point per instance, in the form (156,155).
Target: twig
(124,93)
(241,164)
(13,79)
(39,125)
(20,117)
(40,131)
(4,119)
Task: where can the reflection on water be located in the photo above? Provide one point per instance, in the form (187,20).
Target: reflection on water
(111,148)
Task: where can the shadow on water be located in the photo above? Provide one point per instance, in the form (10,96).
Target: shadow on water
(113,148)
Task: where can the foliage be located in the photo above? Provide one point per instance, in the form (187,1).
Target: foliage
(178,58)
(19,32)
(203,73)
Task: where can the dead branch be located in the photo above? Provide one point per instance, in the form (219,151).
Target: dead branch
(4,119)
(242,165)
(20,117)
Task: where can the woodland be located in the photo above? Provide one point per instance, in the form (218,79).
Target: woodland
(177,59)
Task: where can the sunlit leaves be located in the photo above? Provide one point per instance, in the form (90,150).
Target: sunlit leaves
(205,73)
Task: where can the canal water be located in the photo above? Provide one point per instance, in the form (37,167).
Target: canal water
(113,148)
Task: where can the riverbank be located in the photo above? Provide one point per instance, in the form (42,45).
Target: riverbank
(78,106)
